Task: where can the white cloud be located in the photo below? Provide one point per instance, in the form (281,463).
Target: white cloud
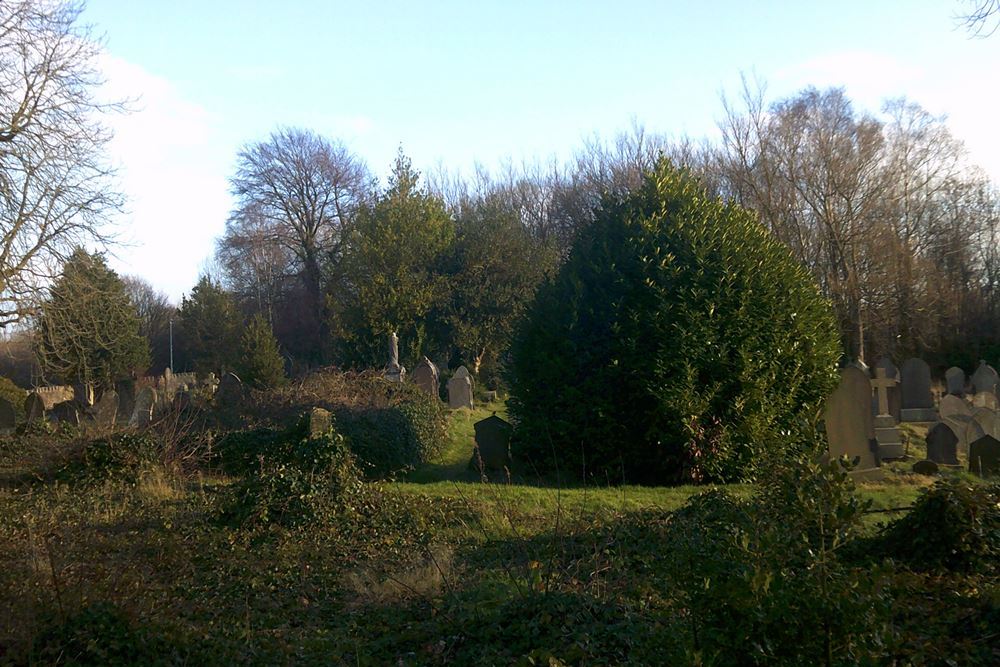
(173,173)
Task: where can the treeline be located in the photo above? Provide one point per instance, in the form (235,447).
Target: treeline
(885,210)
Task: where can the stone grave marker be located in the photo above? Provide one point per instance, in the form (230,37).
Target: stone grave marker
(34,408)
(460,392)
(425,376)
(953,406)
(916,400)
(890,442)
(126,399)
(942,444)
(984,456)
(492,450)
(8,416)
(320,422)
(954,379)
(182,399)
(230,391)
(984,379)
(885,363)
(145,401)
(463,372)
(394,372)
(850,428)
(985,399)
(925,467)
(83,394)
(66,412)
(106,411)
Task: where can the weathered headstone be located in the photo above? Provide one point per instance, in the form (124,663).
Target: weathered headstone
(952,406)
(491,396)
(83,394)
(985,378)
(492,451)
(126,399)
(850,429)
(988,420)
(425,376)
(145,401)
(460,393)
(925,467)
(463,372)
(885,363)
(942,444)
(8,416)
(986,399)
(984,456)
(394,372)
(182,400)
(954,379)
(230,391)
(66,412)
(106,411)
(886,433)
(916,400)
(34,408)
(320,422)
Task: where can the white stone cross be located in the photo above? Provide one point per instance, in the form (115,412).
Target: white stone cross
(881,383)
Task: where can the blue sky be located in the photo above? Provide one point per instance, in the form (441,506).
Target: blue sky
(457,82)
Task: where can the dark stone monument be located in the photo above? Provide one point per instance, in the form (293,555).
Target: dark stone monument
(106,411)
(66,412)
(954,379)
(984,379)
(925,467)
(425,376)
(126,399)
(230,391)
(984,456)
(942,444)
(492,451)
(145,402)
(916,400)
(34,408)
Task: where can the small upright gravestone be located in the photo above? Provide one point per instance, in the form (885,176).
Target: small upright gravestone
(66,412)
(925,467)
(34,408)
(954,379)
(142,416)
(320,422)
(230,391)
(984,379)
(849,423)
(460,393)
(916,400)
(492,451)
(984,456)
(107,409)
(886,433)
(126,398)
(985,399)
(8,416)
(942,445)
(83,393)
(425,376)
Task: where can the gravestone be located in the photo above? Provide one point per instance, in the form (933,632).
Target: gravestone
(182,399)
(954,379)
(142,416)
(984,456)
(850,428)
(492,450)
(953,406)
(460,393)
(65,412)
(985,399)
(83,394)
(230,391)
(916,400)
(107,410)
(925,467)
(942,444)
(984,379)
(885,363)
(34,408)
(320,422)
(394,372)
(491,396)
(425,376)
(8,416)
(463,372)
(890,442)
(126,399)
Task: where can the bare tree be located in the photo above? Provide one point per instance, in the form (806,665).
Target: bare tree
(155,313)
(981,17)
(56,186)
(299,192)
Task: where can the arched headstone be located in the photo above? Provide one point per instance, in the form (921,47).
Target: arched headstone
(850,429)
(916,400)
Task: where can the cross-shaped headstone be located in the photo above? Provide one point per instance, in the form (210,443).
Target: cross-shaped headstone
(881,383)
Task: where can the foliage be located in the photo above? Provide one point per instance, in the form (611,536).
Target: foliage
(14,394)
(98,634)
(88,329)
(953,527)
(209,328)
(679,341)
(394,266)
(260,364)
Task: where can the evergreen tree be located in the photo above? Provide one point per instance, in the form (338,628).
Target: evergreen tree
(209,332)
(260,364)
(88,329)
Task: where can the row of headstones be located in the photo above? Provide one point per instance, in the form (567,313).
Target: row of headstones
(913,399)
(427,377)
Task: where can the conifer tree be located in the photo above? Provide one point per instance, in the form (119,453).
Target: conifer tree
(260,364)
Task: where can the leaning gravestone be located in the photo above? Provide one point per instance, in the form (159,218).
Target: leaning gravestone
(954,379)
(925,467)
(984,456)
(916,400)
(850,429)
(942,444)
(107,410)
(492,451)
(66,412)
(985,378)
(230,391)
(8,416)
(459,393)
(34,408)
(142,416)
(425,376)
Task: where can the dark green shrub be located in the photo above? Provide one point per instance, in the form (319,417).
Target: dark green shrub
(953,526)
(98,634)
(15,395)
(260,364)
(120,456)
(680,341)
